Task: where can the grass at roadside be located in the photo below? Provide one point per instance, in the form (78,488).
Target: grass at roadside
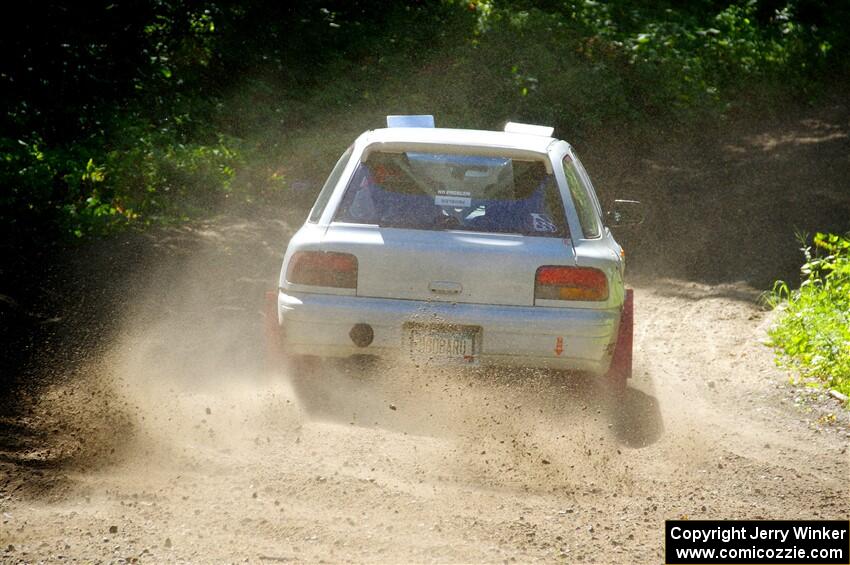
(812,333)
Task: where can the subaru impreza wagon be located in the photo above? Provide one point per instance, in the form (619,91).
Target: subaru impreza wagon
(462,247)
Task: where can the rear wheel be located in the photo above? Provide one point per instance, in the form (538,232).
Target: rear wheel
(322,386)
(334,388)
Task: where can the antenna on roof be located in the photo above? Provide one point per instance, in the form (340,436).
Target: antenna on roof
(530,129)
(411,121)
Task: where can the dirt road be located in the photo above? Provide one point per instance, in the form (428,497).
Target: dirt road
(160,437)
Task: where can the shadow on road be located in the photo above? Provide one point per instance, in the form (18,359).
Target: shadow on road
(638,421)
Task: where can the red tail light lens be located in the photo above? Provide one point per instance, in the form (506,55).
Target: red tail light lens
(317,268)
(570,283)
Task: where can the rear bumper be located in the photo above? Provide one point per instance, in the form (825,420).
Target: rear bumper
(319,324)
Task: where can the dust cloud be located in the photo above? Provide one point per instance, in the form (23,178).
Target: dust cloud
(172,440)
(185,376)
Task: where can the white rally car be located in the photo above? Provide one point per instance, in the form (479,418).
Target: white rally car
(450,246)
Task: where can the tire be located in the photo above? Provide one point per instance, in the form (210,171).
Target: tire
(318,384)
(335,389)
(621,361)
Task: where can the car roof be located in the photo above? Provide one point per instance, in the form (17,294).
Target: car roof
(471,137)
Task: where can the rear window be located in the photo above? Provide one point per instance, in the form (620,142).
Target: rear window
(434,191)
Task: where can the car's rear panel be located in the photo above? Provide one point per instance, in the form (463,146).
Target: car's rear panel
(570,339)
(397,272)
(447,266)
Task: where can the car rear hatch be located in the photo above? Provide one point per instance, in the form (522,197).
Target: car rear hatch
(449,266)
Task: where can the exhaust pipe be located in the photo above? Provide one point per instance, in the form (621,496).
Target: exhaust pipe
(362,335)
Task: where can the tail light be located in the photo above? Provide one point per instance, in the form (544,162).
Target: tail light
(570,283)
(317,268)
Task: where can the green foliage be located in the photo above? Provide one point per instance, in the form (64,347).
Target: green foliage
(158,177)
(603,63)
(813,329)
(121,113)
(149,177)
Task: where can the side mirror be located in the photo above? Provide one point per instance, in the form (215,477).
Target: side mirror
(626,213)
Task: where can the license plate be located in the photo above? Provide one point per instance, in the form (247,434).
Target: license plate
(443,343)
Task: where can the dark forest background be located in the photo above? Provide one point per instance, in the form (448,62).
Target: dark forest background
(121,113)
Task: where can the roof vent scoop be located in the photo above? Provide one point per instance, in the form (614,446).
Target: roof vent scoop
(420,121)
(529,129)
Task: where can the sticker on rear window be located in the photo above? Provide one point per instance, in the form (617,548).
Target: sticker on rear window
(453,198)
(543,223)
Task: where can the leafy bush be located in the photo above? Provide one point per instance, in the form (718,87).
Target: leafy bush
(87,190)
(813,329)
(634,61)
(115,113)
(161,177)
